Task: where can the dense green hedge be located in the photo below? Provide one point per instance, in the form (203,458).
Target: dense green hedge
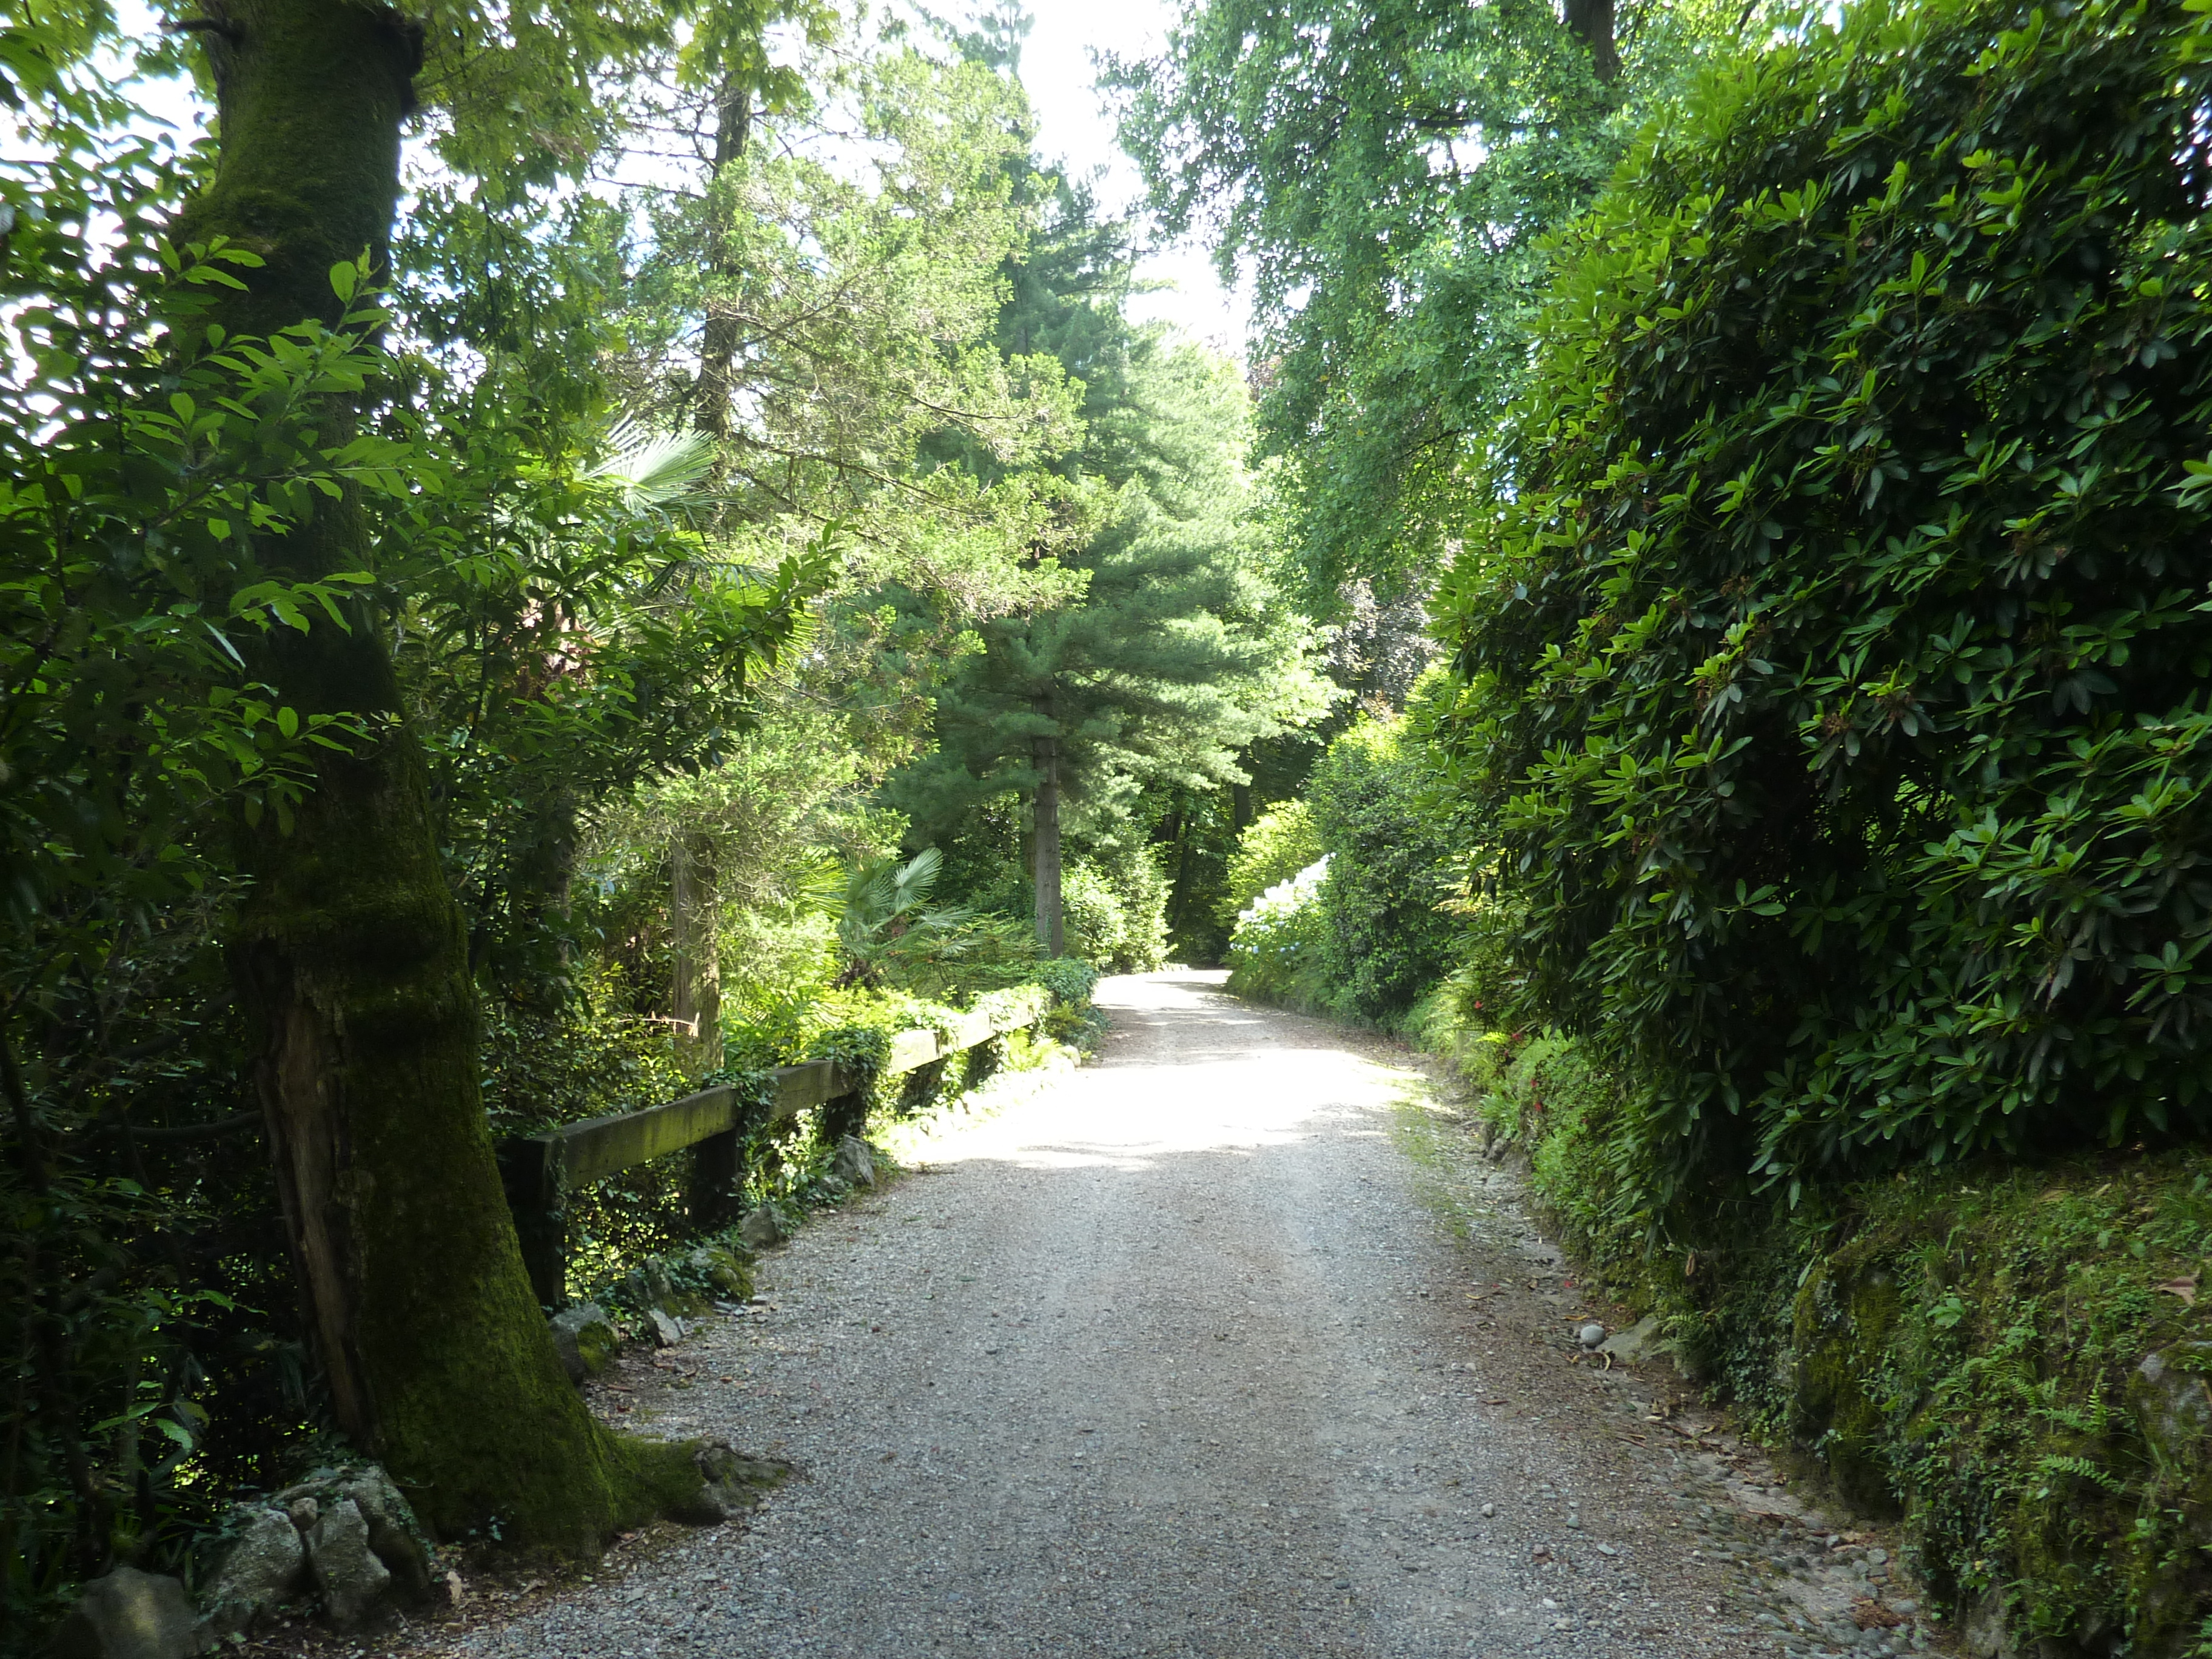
(1116,912)
(1837,626)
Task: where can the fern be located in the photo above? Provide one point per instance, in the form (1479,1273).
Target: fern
(2053,1466)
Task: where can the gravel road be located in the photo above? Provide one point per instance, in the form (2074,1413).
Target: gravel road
(1220,1347)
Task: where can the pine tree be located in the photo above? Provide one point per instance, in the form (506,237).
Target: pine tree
(1177,656)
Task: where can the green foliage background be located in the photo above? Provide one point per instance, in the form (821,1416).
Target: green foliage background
(1370,937)
(1385,170)
(1384,941)
(1274,847)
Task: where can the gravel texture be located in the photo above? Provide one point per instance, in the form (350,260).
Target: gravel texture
(1229,1344)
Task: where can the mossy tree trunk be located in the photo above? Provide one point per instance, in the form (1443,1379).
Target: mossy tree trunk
(694,905)
(351,952)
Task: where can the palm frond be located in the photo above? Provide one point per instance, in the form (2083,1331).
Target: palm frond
(911,883)
(651,469)
(884,910)
(819,886)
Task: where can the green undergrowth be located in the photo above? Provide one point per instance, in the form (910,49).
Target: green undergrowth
(689,1273)
(1355,931)
(2008,1362)
(585,1060)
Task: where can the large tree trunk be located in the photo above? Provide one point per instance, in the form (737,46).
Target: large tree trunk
(1591,22)
(350,950)
(695,912)
(1045,754)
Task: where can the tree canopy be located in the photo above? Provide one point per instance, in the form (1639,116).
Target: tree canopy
(1382,173)
(1179,655)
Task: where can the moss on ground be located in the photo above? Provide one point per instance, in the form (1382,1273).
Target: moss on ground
(2010,1362)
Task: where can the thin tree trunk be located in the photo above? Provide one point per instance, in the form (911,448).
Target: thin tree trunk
(350,951)
(1045,753)
(47,1352)
(547,869)
(695,911)
(1186,833)
(717,347)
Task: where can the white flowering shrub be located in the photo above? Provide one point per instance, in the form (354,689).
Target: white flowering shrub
(1274,953)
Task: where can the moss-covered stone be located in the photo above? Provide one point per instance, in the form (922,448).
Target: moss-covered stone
(737,1482)
(722,1270)
(2170,1396)
(395,1538)
(585,1340)
(1841,1321)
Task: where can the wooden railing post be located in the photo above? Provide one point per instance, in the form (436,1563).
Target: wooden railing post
(718,1181)
(534,1171)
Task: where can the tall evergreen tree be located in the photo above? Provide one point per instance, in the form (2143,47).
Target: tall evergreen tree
(1177,656)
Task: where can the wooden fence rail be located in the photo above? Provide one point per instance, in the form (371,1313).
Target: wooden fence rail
(540,1171)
